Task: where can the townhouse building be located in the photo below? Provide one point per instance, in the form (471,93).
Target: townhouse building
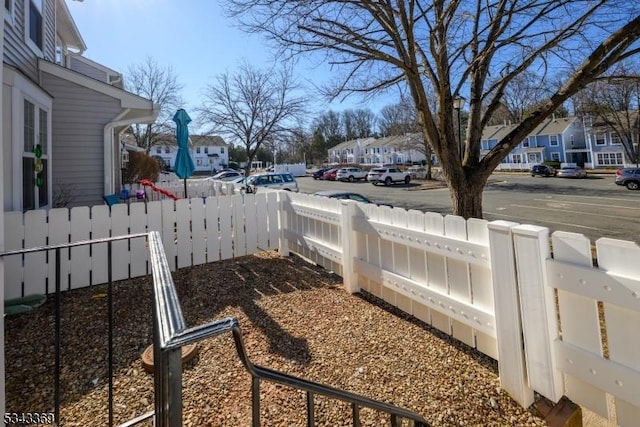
(63,113)
(607,146)
(209,153)
(555,139)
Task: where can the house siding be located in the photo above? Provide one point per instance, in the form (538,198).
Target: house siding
(79,117)
(16,50)
(7,148)
(87,70)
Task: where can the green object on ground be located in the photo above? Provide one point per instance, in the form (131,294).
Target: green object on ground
(23,304)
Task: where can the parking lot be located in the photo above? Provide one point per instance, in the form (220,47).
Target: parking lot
(594,206)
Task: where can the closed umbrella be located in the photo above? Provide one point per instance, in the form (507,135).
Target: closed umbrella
(184,164)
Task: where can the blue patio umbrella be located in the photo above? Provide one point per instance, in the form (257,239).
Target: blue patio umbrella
(184,164)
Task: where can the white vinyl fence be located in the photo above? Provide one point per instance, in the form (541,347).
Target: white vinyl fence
(195,188)
(194,231)
(556,324)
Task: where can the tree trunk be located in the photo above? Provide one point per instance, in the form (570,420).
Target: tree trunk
(429,165)
(466,196)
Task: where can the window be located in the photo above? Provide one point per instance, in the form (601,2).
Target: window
(197,150)
(35,181)
(555,157)
(572,139)
(525,143)
(221,150)
(9,11)
(615,139)
(600,139)
(609,159)
(553,140)
(166,150)
(35,23)
(516,158)
(159,150)
(206,150)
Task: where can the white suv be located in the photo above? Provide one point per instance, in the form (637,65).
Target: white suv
(276,181)
(350,174)
(387,176)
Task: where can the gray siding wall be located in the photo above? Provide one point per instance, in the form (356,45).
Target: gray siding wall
(16,50)
(77,154)
(88,70)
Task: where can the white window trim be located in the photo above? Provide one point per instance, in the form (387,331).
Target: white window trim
(555,156)
(24,89)
(610,154)
(10,15)
(551,143)
(604,140)
(613,142)
(27,29)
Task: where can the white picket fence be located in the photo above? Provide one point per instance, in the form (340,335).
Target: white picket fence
(556,324)
(195,188)
(194,231)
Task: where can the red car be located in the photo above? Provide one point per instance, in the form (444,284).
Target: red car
(330,175)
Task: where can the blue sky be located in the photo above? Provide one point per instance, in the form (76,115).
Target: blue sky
(193,36)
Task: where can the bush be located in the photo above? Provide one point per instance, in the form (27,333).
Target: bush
(141,166)
(553,163)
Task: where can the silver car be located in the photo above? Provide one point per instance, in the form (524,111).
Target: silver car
(572,172)
(274,180)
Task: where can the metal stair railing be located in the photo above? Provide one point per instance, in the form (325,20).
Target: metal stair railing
(170,334)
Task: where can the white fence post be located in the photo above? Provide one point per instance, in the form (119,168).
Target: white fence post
(348,246)
(539,321)
(283,213)
(511,362)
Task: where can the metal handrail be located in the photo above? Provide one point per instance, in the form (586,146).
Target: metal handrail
(58,309)
(170,336)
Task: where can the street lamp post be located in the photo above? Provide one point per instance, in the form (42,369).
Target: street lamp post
(458,104)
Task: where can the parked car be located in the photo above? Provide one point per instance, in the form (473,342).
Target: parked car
(387,176)
(572,172)
(350,174)
(629,177)
(347,195)
(274,180)
(330,175)
(417,172)
(227,175)
(318,174)
(543,170)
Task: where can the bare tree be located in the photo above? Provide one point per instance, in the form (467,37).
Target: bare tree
(160,85)
(398,119)
(470,49)
(358,123)
(526,91)
(330,127)
(612,104)
(253,107)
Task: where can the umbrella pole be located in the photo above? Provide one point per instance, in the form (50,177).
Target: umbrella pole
(185,188)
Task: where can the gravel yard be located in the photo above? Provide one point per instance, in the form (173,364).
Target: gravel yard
(295,318)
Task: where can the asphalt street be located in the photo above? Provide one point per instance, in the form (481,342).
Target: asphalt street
(594,206)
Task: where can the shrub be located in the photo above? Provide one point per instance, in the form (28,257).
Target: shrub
(141,166)
(553,163)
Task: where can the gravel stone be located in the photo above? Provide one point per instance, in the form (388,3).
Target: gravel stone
(295,318)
